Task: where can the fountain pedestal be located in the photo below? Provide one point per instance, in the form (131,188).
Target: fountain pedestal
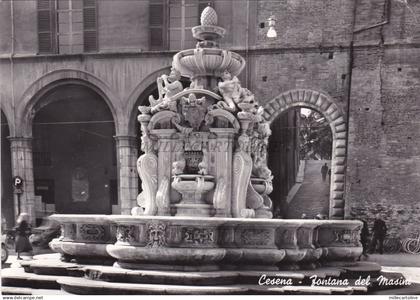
(192,188)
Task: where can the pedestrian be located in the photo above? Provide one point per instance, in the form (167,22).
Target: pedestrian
(364,239)
(379,232)
(23,230)
(329,175)
(324,171)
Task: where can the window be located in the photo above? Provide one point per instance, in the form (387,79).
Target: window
(67,26)
(171,22)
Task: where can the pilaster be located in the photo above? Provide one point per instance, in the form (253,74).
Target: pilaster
(126,148)
(22,165)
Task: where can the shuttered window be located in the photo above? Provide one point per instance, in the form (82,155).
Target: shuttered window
(157,26)
(67,26)
(90,36)
(46,26)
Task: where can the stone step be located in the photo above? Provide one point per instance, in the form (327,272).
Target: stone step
(53,267)
(111,280)
(84,286)
(413,289)
(17,277)
(202,278)
(10,290)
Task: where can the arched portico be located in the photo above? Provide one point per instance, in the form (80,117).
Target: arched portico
(332,113)
(36,98)
(30,101)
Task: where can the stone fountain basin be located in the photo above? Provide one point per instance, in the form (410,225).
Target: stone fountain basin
(190,182)
(141,241)
(208,62)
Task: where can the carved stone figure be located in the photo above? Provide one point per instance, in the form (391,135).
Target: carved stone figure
(156,235)
(233,94)
(230,88)
(168,86)
(202,166)
(178,166)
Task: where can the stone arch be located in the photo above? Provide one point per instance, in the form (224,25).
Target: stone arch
(131,109)
(32,96)
(333,114)
(8,118)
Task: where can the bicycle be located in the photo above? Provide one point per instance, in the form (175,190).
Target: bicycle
(411,245)
(392,245)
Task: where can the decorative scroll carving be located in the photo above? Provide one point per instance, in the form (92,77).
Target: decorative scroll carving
(126,233)
(165,115)
(147,166)
(162,197)
(156,233)
(253,199)
(198,235)
(221,113)
(92,232)
(219,198)
(242,167)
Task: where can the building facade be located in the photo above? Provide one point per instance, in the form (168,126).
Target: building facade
(72,73)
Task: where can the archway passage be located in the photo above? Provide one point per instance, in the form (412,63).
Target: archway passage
(335,118)
(7,210)
(299,155)
(74,154)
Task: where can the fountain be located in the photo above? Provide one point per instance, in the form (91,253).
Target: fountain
(204,207)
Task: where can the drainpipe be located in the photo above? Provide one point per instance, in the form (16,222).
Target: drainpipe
(12,129)
(247,46)
(12,52)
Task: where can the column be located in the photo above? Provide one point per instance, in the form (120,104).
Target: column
(22,165)
(127,172)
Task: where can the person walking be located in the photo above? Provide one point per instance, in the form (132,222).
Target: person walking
(379,232)
(23,230)
(364,239)
(324,171)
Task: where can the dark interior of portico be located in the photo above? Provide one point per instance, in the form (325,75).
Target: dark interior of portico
(75,166)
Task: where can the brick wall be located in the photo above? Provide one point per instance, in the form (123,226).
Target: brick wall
(384,138)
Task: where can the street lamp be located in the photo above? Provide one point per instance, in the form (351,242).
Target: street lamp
(271,33)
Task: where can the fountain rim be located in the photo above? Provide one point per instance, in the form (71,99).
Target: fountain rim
(203,220)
